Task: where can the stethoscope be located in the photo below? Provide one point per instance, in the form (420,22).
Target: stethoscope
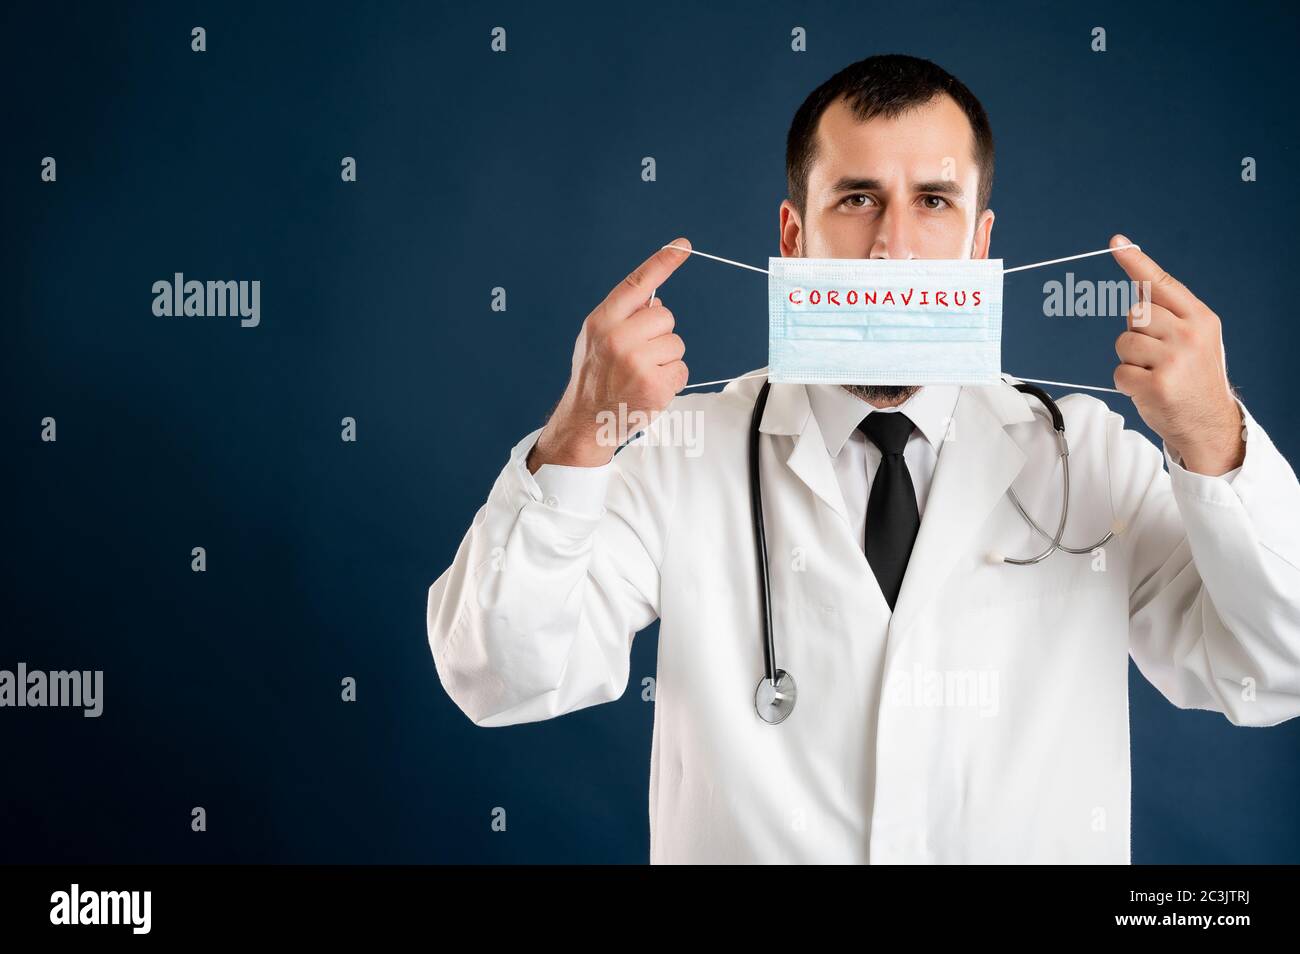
(776,693)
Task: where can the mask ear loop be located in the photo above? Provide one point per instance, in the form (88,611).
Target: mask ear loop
(715,257)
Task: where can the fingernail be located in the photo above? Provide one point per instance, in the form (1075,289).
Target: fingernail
(1122,240)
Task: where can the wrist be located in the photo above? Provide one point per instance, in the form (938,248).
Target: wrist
(1218,455)
(570,439)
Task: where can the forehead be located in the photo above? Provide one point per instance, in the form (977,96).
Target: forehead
(915,142)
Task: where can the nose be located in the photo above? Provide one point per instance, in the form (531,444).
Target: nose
(893,237)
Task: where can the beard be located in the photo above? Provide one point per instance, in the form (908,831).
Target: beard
(882,394)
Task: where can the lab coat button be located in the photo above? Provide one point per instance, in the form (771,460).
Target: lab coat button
(551,502)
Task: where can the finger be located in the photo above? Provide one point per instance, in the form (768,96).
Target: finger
(1151,319)
(678,374)
(665,349)
(1138,349)
(647,323)
(1130,379)
(656,301)
(1164,288)
(635,290)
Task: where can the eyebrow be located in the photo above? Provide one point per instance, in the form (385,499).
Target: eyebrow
(937,186)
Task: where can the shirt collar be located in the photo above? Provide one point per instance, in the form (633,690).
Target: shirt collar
(839,412)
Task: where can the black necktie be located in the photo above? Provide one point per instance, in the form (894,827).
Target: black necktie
(892,516)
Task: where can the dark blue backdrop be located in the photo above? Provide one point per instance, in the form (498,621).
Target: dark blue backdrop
(475,170)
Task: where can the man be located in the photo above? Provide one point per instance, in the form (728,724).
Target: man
(951,708)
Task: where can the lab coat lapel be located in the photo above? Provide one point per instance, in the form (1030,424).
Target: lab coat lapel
(977,462)
(789,412)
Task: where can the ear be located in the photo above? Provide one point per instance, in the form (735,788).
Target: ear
(983,235)
(791,229)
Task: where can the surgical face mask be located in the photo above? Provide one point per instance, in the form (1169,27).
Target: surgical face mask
(882,321)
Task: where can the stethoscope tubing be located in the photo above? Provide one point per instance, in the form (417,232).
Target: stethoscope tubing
(760,535)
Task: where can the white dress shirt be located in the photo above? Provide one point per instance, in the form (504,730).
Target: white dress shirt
(857,459)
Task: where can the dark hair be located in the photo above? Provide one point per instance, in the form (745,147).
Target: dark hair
(888,86)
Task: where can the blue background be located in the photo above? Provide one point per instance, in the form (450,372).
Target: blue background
(520,170)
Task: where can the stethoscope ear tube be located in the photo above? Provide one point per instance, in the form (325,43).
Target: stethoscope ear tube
(1054,540)
(1058,420)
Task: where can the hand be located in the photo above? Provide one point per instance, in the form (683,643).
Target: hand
(1173,367)
(625,354)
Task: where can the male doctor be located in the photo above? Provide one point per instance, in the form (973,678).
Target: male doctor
(951,708)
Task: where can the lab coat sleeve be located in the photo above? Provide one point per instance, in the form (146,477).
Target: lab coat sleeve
(536,614)
(1215,578)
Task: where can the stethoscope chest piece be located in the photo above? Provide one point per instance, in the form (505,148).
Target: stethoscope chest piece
(774,702)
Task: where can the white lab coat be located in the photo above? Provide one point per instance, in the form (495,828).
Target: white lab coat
(985,721)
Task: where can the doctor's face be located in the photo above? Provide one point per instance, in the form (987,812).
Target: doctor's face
(890,188)
(897,188)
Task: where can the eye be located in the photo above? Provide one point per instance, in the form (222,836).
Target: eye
(929,198)
(851,201)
